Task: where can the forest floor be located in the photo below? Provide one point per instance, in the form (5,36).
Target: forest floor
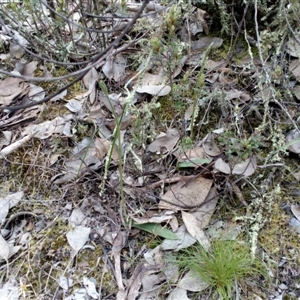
(167,169)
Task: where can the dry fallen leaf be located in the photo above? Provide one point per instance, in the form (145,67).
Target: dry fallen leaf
(153,85)
(236,94)
(118,243)
(77,237)
(90,287)
(74,106)
(4,252)
(228,77)
(189,112)
(204,213)
(65,283)
(151,286)
(178,293)
(184,240)
(204,43)
(36,93)
(114,67)
(77,218)
(295,223)
(195,27)
(185,196)
(192,282)
(245,168)
(296,91)
(296,211)
(172,272)
(5,138)
(84,159)
(29,69)
(294,67)
(10,290)
(209,145)
(201,16)
(293,47)
(155,90)
(180,65)
(293,141)
(154,219)
(142,270)
(222,166)
(296,175)
(226,231)
(193,226)
(59,125)
(190,154)
(59,96)
(165,142)
(10,88)
(9,202)
(4,249)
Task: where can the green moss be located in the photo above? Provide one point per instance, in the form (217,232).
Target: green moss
(94,264)
(49,256)
(170,108)
(278,226)
(26,168)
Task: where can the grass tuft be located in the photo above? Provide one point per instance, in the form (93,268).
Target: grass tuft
(227,263)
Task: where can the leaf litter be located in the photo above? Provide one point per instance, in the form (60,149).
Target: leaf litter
(81,147)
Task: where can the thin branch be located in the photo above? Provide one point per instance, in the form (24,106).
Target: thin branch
(94,61)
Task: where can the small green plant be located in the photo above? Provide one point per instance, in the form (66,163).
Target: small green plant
(241,148)
(186,143)
(225,264)
(81,129)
